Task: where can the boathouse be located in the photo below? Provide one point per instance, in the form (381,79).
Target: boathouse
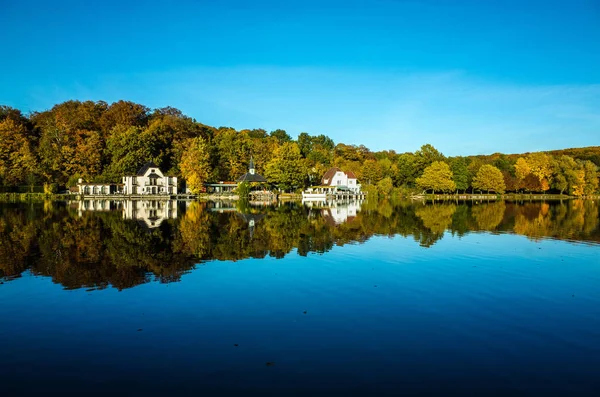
(251,175)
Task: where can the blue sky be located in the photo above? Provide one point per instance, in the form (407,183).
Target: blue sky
(469,77)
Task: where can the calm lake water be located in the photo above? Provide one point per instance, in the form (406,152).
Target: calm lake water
(175,298)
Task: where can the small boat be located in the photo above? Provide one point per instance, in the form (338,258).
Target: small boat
(314,194)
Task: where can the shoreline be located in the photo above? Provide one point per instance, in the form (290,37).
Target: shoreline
(12,197)
(505,197)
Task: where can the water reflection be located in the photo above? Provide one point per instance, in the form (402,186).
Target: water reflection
(335,212)
(148,213)
(94,244)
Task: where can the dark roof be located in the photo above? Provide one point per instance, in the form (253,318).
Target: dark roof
(153,175)
(145,168)
(331,172)
(328,175)
(221,184)
(248,177)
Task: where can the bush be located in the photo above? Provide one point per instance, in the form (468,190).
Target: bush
(51,188)
(243,189)
(385,186)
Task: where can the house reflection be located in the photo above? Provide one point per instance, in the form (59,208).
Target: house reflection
(335,212)
(148,213)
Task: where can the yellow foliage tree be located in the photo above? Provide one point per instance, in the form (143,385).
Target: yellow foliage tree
(540,165)
(489,178)
(437,177)
(195,164)
(522,169)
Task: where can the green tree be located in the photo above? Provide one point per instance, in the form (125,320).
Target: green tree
(591,177)
(406,171)
(287,169)
(564,173)
(460,173)
(437,177)
(126,151)
(489,178)
(281,135)
(304,143)
(426,156)
(385,186)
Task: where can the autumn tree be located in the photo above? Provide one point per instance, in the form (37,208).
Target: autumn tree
(522,169)
(591,177)
(437,177)
(17,158)
(385,186)
(371,172)
(489,178)
(195,164)
(540,165)
(124,113)
(531,183)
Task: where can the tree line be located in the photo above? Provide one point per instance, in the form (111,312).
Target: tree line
(101,142)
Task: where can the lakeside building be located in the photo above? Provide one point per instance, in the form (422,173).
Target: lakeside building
(335,182)
(229,187)
(251,175)
(220,187)
(149,180)
(97,189)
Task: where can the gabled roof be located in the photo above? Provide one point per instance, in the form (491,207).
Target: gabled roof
(331,172)
(153,175)
(328,175)
(145,168)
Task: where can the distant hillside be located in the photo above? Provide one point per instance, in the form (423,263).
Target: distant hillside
(591,153)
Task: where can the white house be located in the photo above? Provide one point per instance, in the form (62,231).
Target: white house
(335,177)
(149,181)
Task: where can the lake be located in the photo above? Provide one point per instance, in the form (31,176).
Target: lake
(374,298)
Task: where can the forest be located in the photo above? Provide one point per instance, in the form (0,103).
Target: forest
(101,142)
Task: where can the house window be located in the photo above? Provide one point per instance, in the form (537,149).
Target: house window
(151,170)
(339,182)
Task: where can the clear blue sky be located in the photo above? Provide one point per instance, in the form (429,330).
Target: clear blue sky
(469,77)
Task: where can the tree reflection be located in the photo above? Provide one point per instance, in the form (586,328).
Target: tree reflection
(101,249)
